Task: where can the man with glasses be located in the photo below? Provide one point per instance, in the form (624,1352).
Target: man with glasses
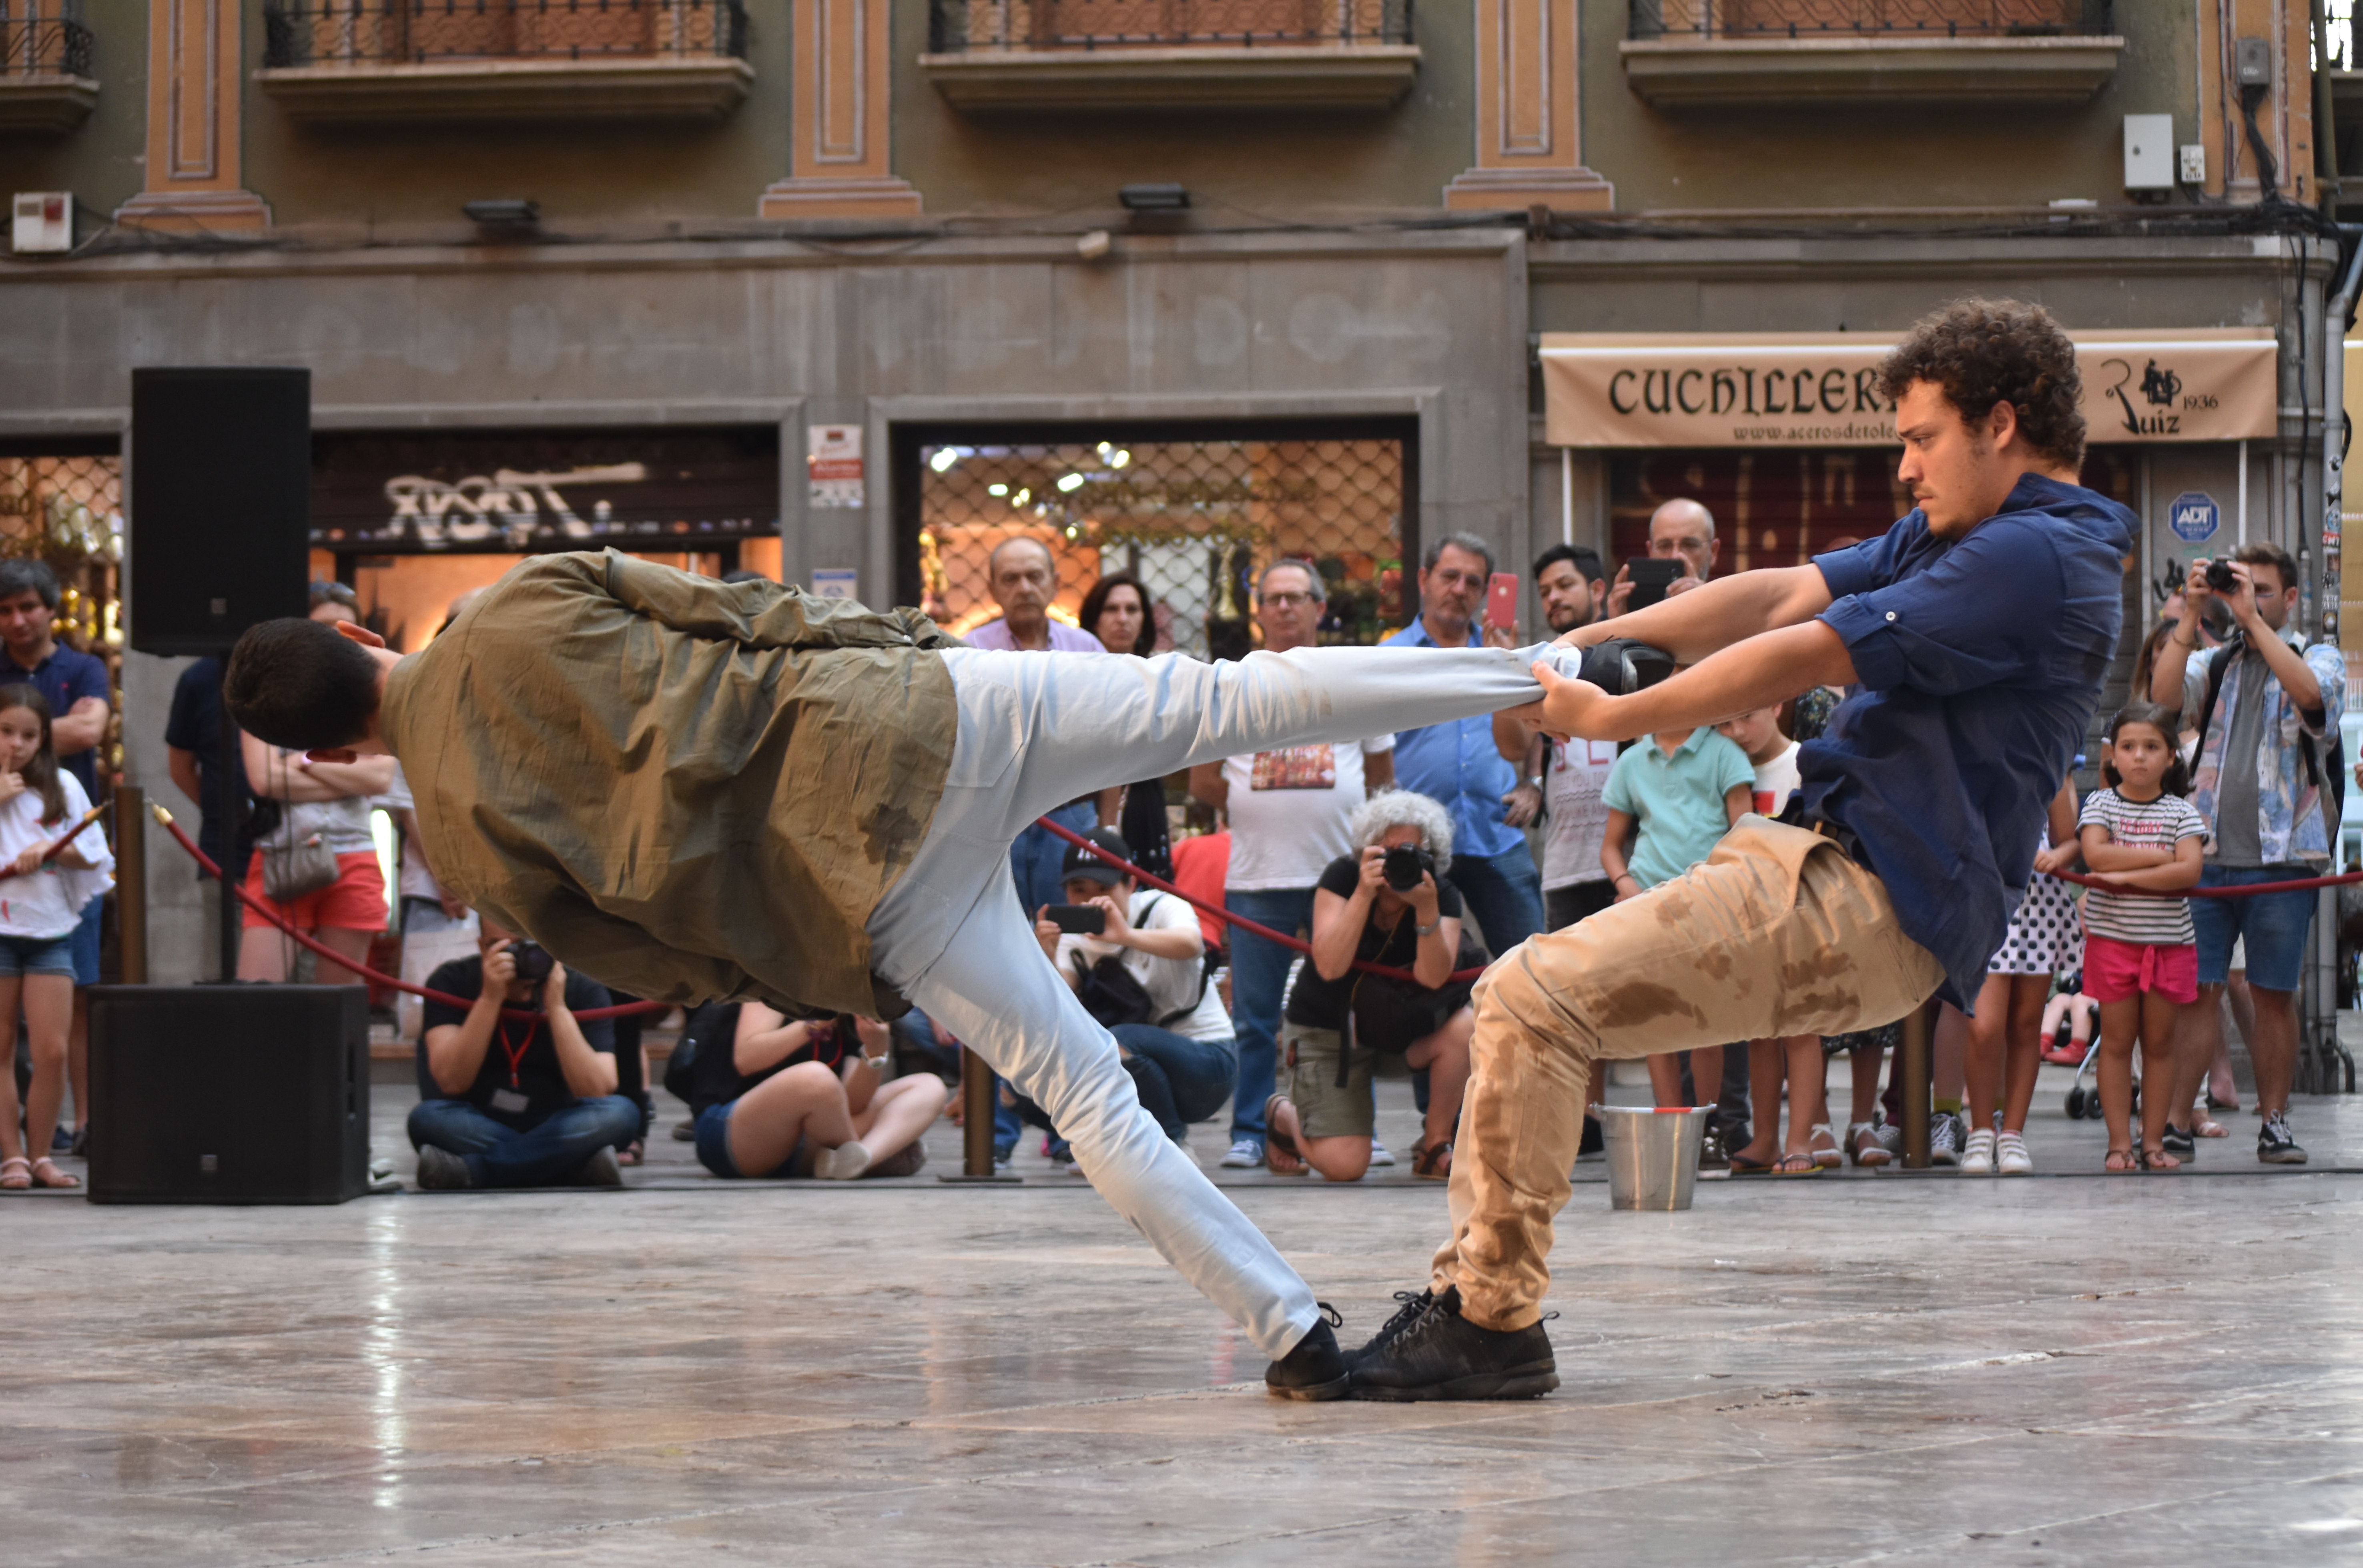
(1289,809)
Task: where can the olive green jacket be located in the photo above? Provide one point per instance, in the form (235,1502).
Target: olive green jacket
(685,789)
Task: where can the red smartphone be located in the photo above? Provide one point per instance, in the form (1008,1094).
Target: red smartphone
(1502,600)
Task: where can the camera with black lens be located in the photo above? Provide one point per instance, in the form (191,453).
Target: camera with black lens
(1404,865)
(533,961)
(1625,664)
(2219,575)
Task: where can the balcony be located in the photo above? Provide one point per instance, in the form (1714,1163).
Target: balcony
(46,87)
(1686,54)
(1102,55)
(354,61)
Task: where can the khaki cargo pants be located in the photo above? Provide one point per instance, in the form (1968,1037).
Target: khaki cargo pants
(1777,932)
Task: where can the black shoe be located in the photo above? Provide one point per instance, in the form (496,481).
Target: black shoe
(1442,1355)
(1592,1142)
(2274,1144)
(1315,1368)
(685,1130)
(2179,1142)
(602,1170)
(1408,1310)
(440,1170)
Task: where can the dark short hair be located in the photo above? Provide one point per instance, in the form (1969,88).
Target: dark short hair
(1983,352)
(19,573)
(1585,558)
(1456,540)
(2261,554)
(299,685)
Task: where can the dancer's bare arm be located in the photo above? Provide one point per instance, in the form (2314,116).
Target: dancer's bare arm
(1716,614)
(1768,668)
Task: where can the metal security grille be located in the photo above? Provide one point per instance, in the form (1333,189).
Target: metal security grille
(1194,519)
(1926,18)
(68,510)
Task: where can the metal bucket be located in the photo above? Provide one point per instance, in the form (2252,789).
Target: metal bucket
(1653,1155)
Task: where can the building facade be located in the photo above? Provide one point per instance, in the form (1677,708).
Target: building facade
(849,290)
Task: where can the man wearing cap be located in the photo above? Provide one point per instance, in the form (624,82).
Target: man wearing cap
(1172,1033)
(701,790)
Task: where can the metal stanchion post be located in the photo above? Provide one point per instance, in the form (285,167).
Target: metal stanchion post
(976,1122)
(1919,1058)
(130,827)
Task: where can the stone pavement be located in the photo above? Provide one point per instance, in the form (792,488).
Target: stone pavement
(1909,1370)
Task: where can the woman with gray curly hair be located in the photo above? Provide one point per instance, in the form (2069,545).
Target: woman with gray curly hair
(1386,903)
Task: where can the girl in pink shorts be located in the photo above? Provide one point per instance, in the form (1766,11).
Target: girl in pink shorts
(2140,963)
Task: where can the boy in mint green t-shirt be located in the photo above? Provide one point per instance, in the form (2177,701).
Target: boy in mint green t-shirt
(1671,797)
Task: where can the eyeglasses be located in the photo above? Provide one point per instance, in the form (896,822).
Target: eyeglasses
(1286,600)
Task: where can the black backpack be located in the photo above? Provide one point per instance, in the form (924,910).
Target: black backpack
(1110,992)
(2331,782)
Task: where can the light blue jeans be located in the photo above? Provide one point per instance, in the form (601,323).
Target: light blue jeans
(1037,731)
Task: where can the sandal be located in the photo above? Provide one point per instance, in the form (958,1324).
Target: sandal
(56,1178)
(16,1173)
(2157,1159)
(1862,1139)
(1428,1163)
(2119,1161)
(1795,1165)
(1827,1158)
(1278,1142)
(1742,1165)
(633,1154)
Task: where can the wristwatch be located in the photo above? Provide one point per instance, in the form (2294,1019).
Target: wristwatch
(1426,931)
(1537,782)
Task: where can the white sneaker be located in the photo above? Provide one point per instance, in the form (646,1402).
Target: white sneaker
(1978,1155)
(2011,1149)
(1379,1155)
(1245,1155)
(841,1163)
(1943,1138)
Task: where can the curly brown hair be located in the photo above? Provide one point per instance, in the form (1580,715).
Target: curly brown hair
(1984,351)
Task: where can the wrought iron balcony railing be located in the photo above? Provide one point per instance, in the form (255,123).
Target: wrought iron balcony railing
(962,27)
(426,32)
(52,48)
(1870,18)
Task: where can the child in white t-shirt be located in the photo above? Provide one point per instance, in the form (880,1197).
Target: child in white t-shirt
(41,900)
(1811,1146)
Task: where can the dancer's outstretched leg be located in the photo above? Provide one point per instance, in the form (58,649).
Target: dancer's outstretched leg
(994,988)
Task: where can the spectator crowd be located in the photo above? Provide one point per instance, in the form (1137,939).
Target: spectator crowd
(1401,863)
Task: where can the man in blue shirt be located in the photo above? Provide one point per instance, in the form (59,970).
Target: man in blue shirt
(1459,763)
(1979,628)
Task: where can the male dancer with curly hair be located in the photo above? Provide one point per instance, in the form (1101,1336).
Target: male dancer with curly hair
(1977,632)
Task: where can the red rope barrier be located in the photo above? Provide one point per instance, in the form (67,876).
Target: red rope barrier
(1225,916)
(2301,884)
(515,1014)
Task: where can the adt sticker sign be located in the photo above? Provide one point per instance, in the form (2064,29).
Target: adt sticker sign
(2194,516)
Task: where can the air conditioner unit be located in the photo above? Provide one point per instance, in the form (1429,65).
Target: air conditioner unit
(44,222)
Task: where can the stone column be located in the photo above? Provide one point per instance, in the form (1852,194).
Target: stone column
(838,153)
(196,55)
(1529,143)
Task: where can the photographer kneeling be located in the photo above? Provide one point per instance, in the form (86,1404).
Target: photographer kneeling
(1136,957)
(517,1104)
(776,1097)
(1387,903)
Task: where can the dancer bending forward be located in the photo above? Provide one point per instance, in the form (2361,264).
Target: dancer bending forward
(733,793)
(1976,632)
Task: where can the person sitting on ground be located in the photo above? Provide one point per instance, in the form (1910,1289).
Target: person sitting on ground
(40,906)
(1168,1024)
(1339,1019)
(769,1103)
(1668,800)
(504,1103)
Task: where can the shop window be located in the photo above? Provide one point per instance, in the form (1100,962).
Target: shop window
(1195,517)
(65,506)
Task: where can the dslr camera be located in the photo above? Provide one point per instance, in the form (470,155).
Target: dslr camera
(1404,865)
(1625,664)
(533,961)
(2219,575)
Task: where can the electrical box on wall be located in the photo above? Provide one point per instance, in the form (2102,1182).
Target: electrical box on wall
(2252,62)
(44,221)
(2149,152)
(2192,162)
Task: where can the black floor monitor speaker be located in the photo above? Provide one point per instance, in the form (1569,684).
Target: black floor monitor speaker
(220,503)
(229,1093)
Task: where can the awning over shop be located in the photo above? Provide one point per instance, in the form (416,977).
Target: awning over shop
(1788,389)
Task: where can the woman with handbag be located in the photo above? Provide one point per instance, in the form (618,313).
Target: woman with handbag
(316,866)
(1386,903)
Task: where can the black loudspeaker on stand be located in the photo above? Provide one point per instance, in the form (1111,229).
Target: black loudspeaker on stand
(229,1093)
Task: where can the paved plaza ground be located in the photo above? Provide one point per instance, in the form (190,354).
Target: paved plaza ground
(1899,1368)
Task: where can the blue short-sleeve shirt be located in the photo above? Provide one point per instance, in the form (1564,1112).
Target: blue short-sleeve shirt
(1979,662)
(1459,764)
